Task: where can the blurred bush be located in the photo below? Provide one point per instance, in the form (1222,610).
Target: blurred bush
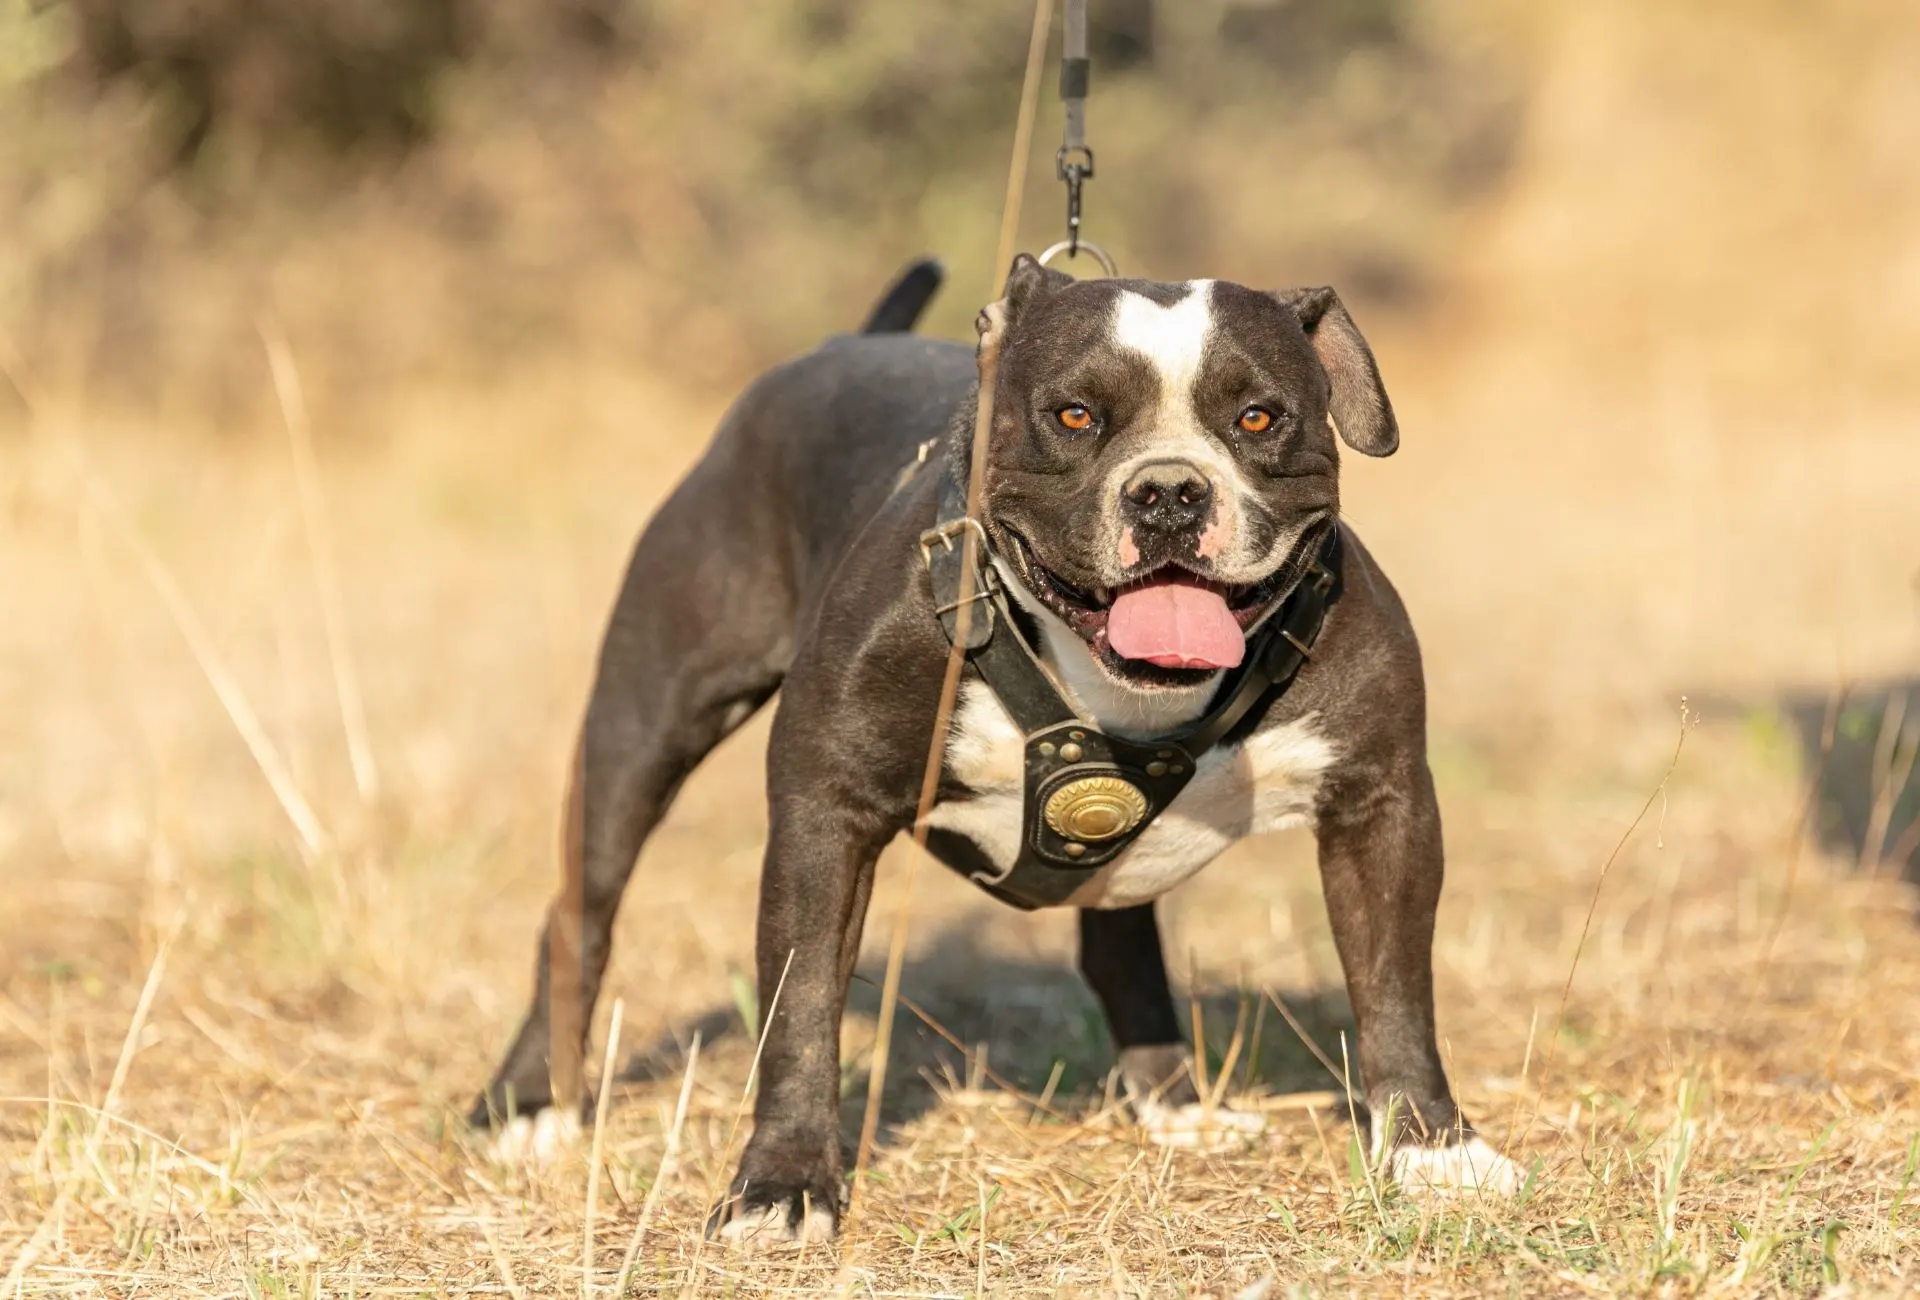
(457,185)
(343,75)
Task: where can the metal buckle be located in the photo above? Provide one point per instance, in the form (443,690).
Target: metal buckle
(1322,578)
(985,580)
(940,611)
(1296,643)
(945,534)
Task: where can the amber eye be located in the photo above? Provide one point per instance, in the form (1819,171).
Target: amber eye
(1074,417)
(1255,419)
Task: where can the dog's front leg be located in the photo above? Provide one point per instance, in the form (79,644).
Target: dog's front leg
(813,902)
(1381,864)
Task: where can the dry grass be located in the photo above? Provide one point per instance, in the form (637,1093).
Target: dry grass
(285,1116)
(231,1063)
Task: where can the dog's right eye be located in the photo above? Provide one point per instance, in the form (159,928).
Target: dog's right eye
(1074,417)
(1255,419)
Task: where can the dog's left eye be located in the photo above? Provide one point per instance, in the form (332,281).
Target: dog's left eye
(1255,419)
(1075,417)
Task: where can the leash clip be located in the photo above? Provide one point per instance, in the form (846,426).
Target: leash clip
(1074,163)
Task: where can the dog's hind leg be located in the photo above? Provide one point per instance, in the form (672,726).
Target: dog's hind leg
(700,638)
(1121,958)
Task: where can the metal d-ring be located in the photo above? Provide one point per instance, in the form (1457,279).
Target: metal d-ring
(1099,255)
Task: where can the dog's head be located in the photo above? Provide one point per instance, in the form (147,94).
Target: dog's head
(1161,462)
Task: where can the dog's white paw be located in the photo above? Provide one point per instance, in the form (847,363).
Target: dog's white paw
(1470,1166)
(778,1224)
(1194,1125)
(537,1141)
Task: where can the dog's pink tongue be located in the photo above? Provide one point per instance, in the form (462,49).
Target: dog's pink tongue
(1175,625)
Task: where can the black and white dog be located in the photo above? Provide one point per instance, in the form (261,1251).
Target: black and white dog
(1180,644)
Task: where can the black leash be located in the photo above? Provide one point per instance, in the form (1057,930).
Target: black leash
(1088,795)
(1074,161)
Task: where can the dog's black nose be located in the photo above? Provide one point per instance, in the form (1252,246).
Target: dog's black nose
(1168,496)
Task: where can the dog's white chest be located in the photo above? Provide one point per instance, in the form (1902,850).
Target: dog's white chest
(1266,784)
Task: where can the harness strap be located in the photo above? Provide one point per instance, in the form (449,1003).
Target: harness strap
(1088,795)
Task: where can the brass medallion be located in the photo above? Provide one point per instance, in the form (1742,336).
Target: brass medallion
(1095,808)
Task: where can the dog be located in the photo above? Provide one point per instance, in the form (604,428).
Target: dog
(1174,642)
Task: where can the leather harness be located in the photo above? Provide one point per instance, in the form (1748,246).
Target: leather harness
(1088,795)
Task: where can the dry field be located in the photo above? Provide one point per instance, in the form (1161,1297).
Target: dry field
(1660,444)
(232,1065)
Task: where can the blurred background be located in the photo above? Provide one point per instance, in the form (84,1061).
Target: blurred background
(466,186)
(1645,281)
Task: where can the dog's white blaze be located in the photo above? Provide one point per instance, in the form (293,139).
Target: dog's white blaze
(1266,784)
(1174,340)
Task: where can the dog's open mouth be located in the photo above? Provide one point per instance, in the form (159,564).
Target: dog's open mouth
(1171,625)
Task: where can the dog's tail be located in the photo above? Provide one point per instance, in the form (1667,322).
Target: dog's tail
(900,307)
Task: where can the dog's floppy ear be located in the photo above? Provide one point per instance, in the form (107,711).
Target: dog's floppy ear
(1027,281)
(1357,402)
